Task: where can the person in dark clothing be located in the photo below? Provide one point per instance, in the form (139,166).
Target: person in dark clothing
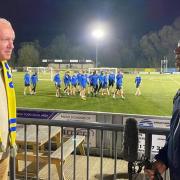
(169,155)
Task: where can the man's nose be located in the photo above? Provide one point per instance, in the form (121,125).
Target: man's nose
(11,45)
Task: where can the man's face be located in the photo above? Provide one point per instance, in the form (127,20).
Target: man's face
(7,37)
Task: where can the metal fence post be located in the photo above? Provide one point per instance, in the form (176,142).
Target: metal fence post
(12,168)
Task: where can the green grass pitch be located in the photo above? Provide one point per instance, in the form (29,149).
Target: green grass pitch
(156,99)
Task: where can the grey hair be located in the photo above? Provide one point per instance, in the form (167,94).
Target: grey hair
(4,21)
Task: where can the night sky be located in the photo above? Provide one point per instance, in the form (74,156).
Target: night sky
(45,19)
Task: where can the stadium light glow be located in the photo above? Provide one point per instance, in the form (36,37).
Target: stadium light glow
(98,34)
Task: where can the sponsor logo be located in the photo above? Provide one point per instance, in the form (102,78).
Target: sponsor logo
(146,123)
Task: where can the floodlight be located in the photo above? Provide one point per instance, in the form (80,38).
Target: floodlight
(98,33)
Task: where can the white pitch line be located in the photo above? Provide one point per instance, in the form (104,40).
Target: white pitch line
(177,82)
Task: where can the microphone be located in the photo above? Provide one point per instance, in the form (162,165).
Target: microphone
(130,150)
(130,153)
(130,143)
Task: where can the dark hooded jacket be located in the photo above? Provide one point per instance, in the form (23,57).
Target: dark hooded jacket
(170,153)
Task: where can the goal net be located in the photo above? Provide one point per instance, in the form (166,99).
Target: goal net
(104,69)
(44,73)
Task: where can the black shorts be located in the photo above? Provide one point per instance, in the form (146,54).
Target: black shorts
(74,85)
(58,85)
(111,83)
(95,86)
(26,85)
(118,87)
(137,85)
(104,86)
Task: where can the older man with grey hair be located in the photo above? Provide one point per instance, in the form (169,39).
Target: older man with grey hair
(7,99)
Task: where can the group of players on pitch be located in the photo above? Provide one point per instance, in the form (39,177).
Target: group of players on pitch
(93,84)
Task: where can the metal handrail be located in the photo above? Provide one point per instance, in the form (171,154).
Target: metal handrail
(148,131)
(89,125)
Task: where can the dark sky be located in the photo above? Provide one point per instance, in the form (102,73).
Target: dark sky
(44,19)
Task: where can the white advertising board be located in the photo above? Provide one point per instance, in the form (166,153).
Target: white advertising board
(158,141)
(78,117)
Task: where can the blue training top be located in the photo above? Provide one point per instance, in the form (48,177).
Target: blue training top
(101,79)
(94,79)
(57,79)
(111,77)
(138,80)
(79,78)
(34,79)
(119,79)
(74,80)
(27,78)
(83,80)
(67,79)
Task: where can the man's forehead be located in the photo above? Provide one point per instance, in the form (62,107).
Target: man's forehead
(6,29)
(4,24)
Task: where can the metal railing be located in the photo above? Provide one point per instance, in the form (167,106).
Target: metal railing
(88,126)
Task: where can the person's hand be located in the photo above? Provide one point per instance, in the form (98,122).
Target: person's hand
(157,166)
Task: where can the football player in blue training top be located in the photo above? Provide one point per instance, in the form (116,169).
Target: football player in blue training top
(119,87)
(34,80)
(67,83)
(90,85)
(94,80)
(101,81)
(111,79)
(79,81)
(138,81)
(83,86)
(74,82)
(105,89)
(27,83)
(57,82)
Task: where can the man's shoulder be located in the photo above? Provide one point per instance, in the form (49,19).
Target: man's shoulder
(176,100)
